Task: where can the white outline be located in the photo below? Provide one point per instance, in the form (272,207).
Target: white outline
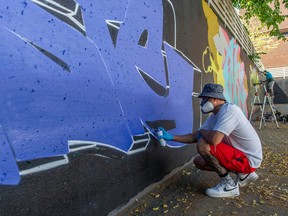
(184,56)
(45,166)
(69,13)
(175,24)
(110,23)
(138,69)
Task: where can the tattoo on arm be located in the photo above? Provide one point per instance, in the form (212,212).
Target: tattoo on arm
(214,164)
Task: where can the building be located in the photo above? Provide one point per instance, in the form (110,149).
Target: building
(276,61)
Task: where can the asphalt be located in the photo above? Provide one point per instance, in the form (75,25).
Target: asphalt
(182,192)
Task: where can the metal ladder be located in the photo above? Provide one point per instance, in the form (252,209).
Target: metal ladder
(257,102)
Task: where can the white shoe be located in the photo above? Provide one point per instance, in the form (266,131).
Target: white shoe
(244,179)
(223,189)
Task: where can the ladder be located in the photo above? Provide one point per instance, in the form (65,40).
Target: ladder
(257,102)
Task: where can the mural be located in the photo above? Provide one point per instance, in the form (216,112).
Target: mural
(76,75)
(83,85)
(225,62)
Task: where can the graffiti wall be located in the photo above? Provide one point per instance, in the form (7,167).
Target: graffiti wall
(85,83)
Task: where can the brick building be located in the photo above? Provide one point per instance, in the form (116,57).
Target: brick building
(276,61)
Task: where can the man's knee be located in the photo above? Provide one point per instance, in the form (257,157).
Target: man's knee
(203,148)
(199,162)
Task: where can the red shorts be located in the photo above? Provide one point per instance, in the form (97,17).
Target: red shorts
(231,158)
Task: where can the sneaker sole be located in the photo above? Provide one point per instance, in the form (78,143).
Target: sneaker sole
(226,195)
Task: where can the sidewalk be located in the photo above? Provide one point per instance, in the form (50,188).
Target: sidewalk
(183,193)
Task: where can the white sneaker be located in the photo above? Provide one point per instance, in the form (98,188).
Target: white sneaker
(244,179)
(223,189)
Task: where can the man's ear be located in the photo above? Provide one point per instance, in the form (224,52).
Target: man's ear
(214,100)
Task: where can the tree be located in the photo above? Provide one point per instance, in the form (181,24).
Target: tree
(262,41)
(266,11)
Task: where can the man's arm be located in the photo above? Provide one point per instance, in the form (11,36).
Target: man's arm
(187,138)
(211,136)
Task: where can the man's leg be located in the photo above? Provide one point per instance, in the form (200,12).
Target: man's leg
(201,164)
(271,91)
(227,187)
(235,161)
(203,149)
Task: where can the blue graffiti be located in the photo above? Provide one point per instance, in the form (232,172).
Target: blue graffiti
(60,84)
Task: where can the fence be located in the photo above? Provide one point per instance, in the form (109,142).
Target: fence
(279,72)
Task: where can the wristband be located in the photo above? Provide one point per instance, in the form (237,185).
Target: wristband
(199,136)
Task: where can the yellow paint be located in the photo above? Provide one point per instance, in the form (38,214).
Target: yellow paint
(213,26)
(214,56)
(254,78)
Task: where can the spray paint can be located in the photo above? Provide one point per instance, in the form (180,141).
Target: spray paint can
(161,141)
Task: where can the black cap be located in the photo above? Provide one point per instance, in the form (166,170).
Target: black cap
(213,90)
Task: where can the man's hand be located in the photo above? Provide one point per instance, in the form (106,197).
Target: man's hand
(165,135)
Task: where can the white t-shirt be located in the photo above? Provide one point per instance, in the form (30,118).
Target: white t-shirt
(238,132)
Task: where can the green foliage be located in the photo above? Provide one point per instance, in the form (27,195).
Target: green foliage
(255,57)
(271,17)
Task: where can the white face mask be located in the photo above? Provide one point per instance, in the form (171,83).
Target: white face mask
(207,107)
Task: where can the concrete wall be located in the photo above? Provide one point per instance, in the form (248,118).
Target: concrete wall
(84,83)
(281,96)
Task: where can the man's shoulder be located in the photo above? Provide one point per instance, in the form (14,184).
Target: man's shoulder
(232,108)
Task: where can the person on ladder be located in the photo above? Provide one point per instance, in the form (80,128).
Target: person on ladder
(268,97)
(270,84)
